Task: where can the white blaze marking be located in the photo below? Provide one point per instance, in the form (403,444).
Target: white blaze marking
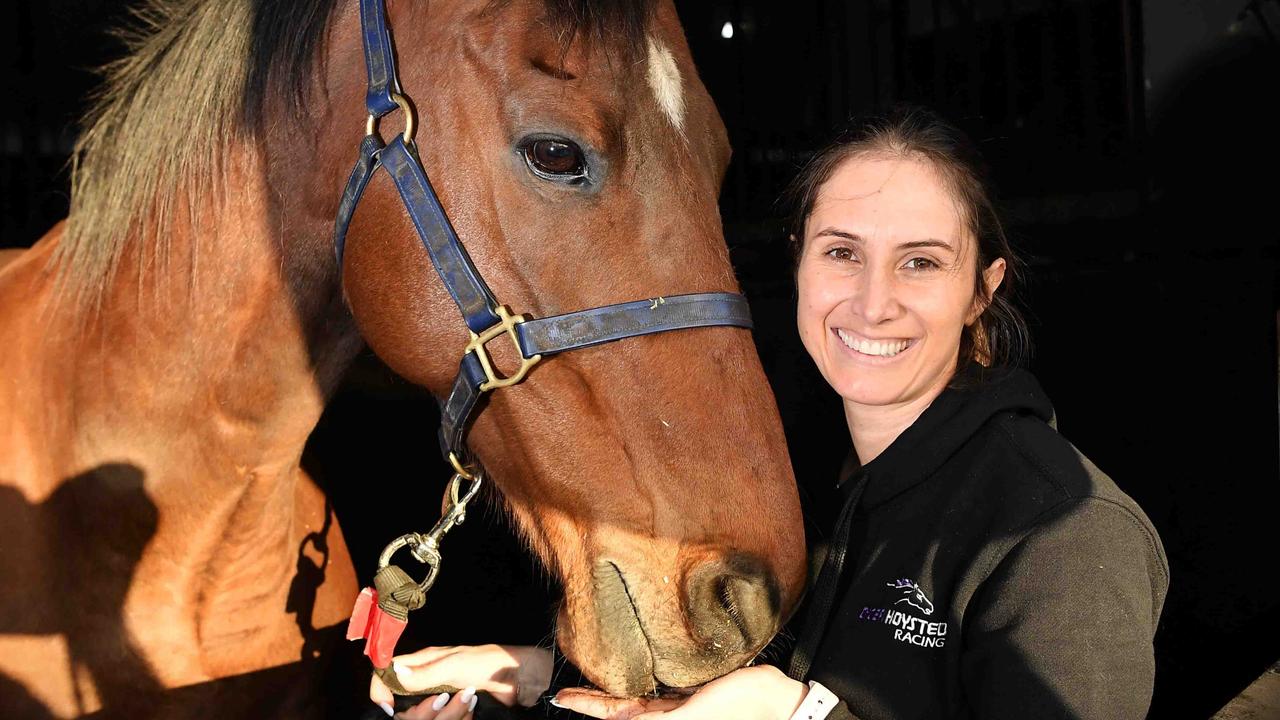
(664,79)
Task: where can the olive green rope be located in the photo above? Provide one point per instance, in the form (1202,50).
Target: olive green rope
(397,592)
(392,681)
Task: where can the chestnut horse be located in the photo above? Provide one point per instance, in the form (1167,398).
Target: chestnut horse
(168,348)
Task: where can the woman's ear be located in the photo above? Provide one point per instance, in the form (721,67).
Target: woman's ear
(991,279)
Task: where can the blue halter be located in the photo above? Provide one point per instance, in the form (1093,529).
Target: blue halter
(485,317)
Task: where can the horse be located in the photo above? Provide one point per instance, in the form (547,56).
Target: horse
(171,344)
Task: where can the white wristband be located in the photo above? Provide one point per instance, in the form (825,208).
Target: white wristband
(816,704)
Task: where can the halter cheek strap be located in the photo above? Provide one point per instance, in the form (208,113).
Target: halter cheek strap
(485,317)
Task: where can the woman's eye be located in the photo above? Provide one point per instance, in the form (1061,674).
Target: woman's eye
(921,264)
(840,253)
(555,159)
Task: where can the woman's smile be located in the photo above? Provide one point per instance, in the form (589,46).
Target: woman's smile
(873,349)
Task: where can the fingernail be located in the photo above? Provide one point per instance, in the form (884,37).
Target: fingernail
(555,703)
(441,700)
(468,694)
(471,707)
(387,709)
(399,667)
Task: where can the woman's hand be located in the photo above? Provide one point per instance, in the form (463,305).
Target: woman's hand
(761,692)
(511,674)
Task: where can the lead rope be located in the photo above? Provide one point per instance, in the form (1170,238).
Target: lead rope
(824,590)
(382,612)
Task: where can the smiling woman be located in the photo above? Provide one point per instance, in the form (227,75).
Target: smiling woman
(886,285)
(983,551)
(980,566)
(901,270)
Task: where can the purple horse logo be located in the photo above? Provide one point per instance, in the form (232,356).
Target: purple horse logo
(912,595)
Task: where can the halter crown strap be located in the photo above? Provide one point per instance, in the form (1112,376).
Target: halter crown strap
(379,59)
(484,316)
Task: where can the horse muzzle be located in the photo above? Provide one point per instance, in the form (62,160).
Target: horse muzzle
(650,631)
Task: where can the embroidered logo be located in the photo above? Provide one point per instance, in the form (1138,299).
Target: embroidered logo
(912,595)
(908,628)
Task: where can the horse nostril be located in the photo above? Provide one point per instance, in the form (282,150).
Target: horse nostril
(734,603)
(724,593)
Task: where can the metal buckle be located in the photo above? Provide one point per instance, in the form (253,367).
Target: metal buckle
(410,119)
(506,324)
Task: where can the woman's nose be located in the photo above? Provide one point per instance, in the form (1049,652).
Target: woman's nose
(876,299)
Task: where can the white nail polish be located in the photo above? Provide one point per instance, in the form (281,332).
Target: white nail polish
(441,700)
(387,709)
(468,694)
(555,703)
(471,707)
(399,667)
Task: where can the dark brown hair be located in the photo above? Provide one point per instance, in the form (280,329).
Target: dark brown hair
(999,336)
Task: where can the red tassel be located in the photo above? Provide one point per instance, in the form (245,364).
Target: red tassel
(379,630)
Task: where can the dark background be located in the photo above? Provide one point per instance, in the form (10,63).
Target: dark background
(1135,147)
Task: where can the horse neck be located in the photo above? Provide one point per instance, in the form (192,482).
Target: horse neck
(179,407)
(232,341)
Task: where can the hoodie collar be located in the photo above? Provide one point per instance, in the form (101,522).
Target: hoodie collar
(974,396)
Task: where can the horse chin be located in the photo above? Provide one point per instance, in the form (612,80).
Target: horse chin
(685,673)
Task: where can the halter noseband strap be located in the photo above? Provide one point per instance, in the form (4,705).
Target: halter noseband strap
(484,316)
(573,331)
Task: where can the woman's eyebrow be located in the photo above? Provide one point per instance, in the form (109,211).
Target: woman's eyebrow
(833,232)
(929,242)
(912,245)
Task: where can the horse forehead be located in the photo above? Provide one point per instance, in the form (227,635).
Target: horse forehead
(665,82)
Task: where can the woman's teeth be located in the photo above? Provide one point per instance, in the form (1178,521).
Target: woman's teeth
(882,348)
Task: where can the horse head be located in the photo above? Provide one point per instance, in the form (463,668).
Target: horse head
(912,595)
(579,159)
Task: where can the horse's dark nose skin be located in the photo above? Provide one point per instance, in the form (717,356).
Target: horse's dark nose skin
(733,603)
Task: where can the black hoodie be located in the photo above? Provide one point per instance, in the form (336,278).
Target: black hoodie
(992,572)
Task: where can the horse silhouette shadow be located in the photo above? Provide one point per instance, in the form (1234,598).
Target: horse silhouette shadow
(66,565)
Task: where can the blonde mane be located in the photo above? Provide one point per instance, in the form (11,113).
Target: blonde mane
(191,84)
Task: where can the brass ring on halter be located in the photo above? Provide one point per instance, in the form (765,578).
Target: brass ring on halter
(410,119)
(458,468)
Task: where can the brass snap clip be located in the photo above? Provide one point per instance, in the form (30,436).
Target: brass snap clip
(425,548)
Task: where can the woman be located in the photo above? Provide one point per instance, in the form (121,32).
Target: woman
(981,566)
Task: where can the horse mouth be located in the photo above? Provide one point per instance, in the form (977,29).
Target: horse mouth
(627,636)
(647,651)
(644,681)
(621,637)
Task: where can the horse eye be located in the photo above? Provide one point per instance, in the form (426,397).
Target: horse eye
(556,159)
